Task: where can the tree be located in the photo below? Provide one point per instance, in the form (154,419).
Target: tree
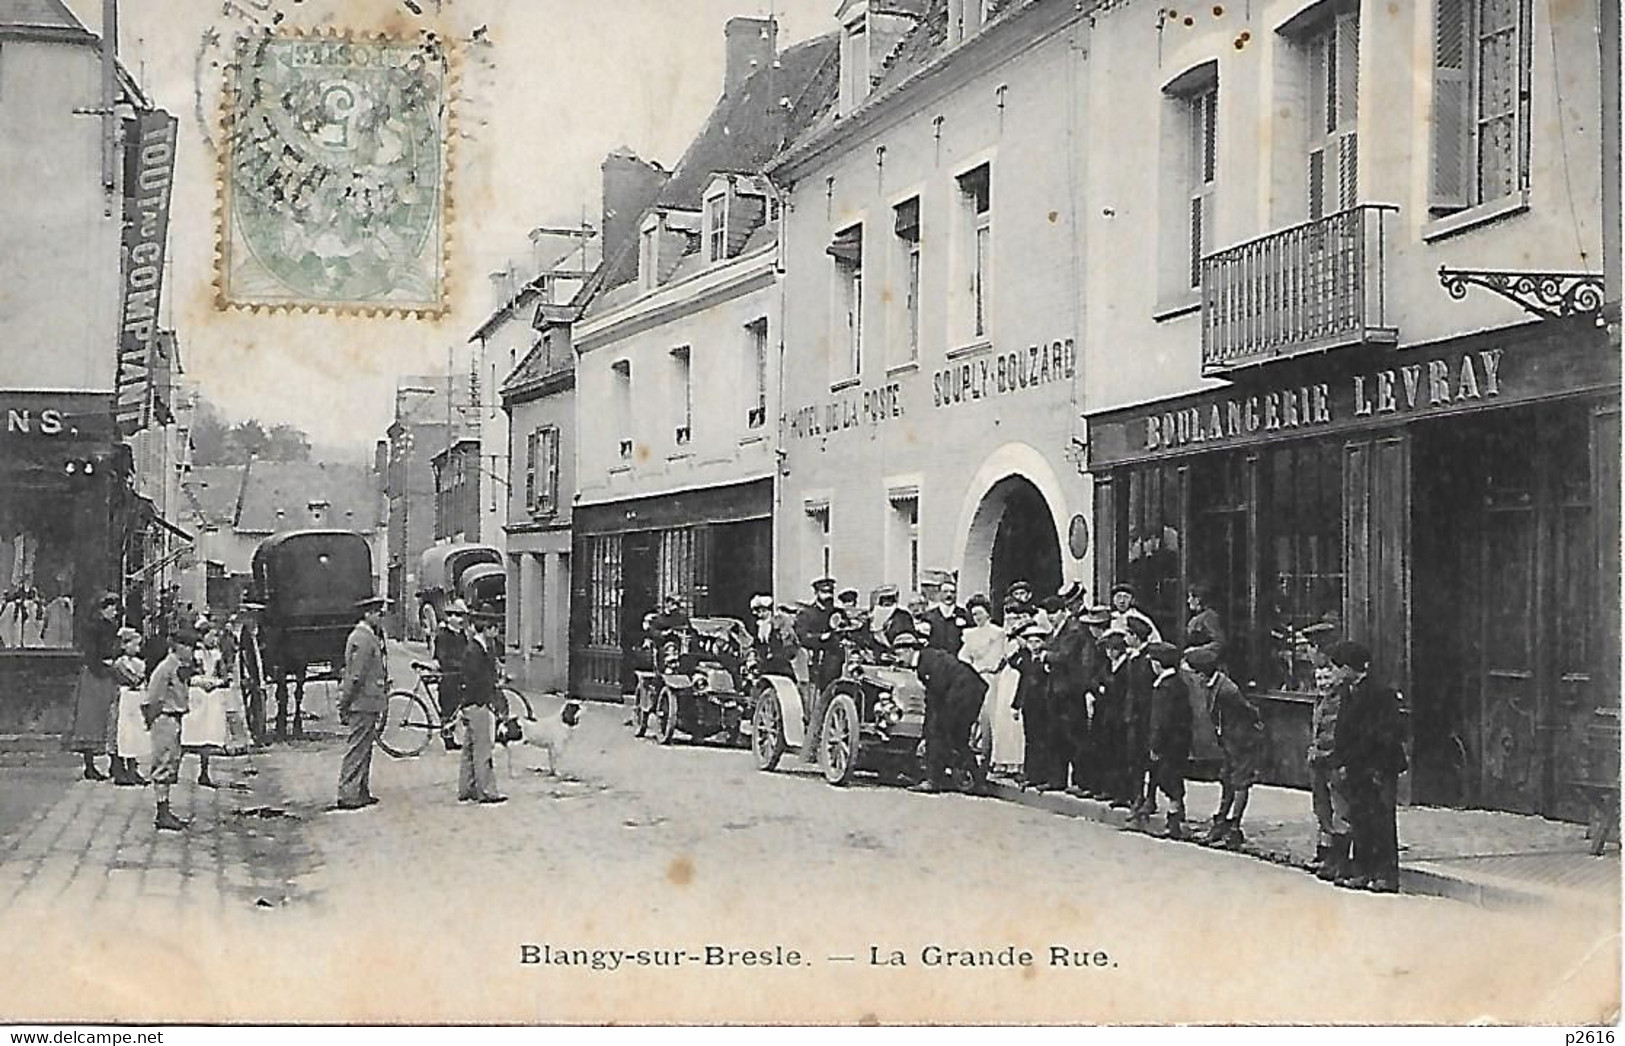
(208,438)
(287,443)
(250,439)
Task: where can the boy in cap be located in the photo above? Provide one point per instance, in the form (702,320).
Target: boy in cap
(1170,736)
(167,701)
(1240,727)
(1138,679)
(1110,719)
(1032,706)
(1124,611)
(1368,751)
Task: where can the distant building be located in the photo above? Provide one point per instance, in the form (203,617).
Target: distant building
(425,424)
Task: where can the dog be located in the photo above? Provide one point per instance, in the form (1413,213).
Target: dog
(552,734)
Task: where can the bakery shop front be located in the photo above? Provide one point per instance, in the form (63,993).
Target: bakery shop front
(1455,507)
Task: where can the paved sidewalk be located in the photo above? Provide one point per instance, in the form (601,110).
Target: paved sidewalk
(96,844)
(1486,857)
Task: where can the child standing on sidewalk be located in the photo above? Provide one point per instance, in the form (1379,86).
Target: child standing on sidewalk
(1170,736)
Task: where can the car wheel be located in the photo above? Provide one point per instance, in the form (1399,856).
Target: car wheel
(666,716)
(838,747)
(767,730)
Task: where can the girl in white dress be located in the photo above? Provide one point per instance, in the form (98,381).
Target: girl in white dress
(133,743)
(204,730)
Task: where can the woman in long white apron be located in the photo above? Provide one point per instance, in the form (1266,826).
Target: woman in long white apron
(983,647)
(133,745)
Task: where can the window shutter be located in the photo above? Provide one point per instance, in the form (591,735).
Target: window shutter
(1317,185)
(530,471)
(1347,42)
(1348,159)
(1198,238)
(550,485)
(1452,123)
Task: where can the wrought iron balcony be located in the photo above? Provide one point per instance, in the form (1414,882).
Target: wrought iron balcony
(1316,286)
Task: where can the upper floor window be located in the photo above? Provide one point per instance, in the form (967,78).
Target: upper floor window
(854,65)
(684,380)
(1480,102)
(649,258)
(1334,64)
(542,470)
(847,252)
(905,348)
(621,379)
(756,364)
(1202,116)
(975,261)
(716,228)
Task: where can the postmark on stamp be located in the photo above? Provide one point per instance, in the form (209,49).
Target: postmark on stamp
(333,182)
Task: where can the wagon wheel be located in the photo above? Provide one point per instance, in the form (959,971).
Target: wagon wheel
(838,747)
(666,716)
(640,709)
(767,730)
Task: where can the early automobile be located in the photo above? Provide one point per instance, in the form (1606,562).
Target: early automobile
(874,720)
(440,574)
(303,596)
(703,684)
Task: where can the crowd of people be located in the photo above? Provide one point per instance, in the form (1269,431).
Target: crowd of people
(1061,694)
(150,698)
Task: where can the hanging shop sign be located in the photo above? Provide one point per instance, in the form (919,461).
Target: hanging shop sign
(149,171)
(1406,386)
(852,408)
(1004,372)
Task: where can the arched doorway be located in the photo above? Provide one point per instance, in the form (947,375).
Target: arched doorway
(1012,536)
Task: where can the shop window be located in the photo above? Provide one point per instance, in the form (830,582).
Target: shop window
(1301,519)
(1218,557)
(37,569)
(1151,524)
(1480,102)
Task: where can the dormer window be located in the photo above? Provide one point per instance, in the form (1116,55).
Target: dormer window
(716,227)
(649,255)
(854,56)
(965,18)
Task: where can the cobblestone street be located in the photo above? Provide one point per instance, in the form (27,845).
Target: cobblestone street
(272,905)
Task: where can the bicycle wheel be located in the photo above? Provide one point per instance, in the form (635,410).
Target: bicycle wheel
(408,725)
(518,705)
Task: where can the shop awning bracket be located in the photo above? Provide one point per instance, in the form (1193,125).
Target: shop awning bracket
(1549,295)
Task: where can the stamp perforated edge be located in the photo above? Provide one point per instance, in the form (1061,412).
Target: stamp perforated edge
(448,200)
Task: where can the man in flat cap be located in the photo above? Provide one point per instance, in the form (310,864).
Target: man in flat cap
(363,699)
(167,701)
(1368,752)
(1124,610)
(1169,737)
(1239,724)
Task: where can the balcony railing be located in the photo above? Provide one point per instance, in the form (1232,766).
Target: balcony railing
(1316,286)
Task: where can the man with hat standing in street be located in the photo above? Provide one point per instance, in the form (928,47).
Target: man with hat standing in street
(954,692)
(167,701)
(1239,724)
(449,645)
(815,631)
(483,704)
(1071,656)
(363,699)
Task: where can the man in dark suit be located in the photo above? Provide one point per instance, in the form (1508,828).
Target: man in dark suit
(483,703)
(816,633)
(363,700)
(1368,754)
(954,692)
(1070,649)
(947,619)
(450,643)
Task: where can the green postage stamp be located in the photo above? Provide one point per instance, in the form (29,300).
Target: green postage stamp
(333,188)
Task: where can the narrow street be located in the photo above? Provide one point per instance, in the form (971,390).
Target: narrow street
(273,906)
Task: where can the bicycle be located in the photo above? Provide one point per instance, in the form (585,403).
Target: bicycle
(413,716)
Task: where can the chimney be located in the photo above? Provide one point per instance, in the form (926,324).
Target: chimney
(751,44)
(630,185)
